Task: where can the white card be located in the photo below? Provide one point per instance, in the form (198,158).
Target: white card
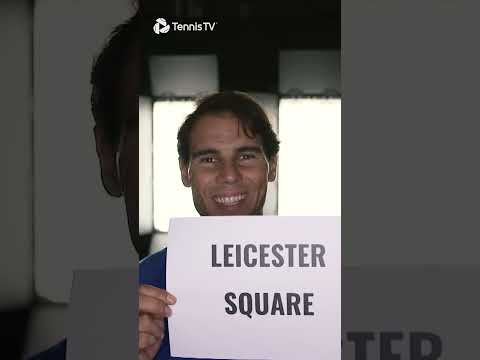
(255,287)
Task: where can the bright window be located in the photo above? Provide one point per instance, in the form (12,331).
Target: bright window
(170,197)
(310,157)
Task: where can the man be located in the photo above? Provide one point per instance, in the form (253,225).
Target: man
(227,155)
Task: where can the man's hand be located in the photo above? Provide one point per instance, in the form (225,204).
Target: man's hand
(153,308)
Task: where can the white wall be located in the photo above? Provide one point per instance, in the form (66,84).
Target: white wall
(76,224)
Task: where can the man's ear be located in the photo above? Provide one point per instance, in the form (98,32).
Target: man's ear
(107,156)
(185,173)
(272,169)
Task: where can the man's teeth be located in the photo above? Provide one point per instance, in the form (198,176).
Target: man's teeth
(229,200)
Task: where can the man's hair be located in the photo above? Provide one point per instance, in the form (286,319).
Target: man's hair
(106,77)
(252,118)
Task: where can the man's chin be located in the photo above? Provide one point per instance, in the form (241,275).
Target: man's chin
(235,210)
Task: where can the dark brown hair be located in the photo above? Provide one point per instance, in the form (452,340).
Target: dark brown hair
(252,118)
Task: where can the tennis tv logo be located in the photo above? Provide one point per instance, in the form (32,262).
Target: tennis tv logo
(162,27)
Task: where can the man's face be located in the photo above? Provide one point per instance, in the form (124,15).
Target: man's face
(228,171)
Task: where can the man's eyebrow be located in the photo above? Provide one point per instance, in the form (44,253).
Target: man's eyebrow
(255,149)
(202,152)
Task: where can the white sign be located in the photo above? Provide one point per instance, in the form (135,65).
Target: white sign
(255,287)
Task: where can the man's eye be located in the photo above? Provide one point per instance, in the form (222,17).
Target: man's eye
(247,156)
(207,160)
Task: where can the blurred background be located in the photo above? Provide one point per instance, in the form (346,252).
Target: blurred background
(56,217)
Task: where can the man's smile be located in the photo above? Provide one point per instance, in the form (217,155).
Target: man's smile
(229,199)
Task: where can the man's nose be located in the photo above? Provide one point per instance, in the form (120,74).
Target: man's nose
(229,173)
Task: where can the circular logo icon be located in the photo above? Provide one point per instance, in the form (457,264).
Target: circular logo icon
(161,26)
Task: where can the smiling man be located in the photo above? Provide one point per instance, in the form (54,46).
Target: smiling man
(228,152)
(227,155)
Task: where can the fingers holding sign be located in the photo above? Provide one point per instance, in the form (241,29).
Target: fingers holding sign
(153,308)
